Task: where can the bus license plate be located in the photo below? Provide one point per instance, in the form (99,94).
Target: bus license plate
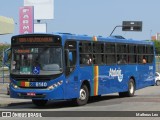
(31,94)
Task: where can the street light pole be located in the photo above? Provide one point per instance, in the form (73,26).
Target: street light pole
(115,28)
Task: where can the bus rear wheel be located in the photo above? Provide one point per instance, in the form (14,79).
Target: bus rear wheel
(131,90)
(39,103)
(83,96)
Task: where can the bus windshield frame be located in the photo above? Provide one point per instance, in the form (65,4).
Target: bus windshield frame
(36,55)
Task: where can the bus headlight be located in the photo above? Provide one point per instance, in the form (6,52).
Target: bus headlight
(55,85)
(15,86)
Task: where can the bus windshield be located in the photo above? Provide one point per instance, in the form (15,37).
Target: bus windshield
(36,61)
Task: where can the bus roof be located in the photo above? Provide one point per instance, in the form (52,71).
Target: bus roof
(117,38)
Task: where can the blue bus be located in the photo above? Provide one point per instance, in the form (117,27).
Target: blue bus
(64,66)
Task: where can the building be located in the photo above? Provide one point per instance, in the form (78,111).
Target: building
(156,37)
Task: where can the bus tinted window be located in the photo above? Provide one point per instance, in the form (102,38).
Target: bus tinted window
(132,59)
(141,49)
(149,50)
(98,50)
(85,53)
(122,48)
(86,59)
(109,48)
(110,59)
(85,47)
(98,47)
(132,48)
(150,58)
(122,59)
(98,59)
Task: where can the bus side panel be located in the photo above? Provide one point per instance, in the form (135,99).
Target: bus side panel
(86,73)
(120,76)
(115,78)
(146,75)
(72,85)
(129,71)
(106,81)
(112,79)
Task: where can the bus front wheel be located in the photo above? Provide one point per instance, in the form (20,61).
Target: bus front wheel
(39,103)
(83,96)
(131,90)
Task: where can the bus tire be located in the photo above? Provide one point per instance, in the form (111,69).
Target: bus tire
(83,97)
(39,103)
(131,89)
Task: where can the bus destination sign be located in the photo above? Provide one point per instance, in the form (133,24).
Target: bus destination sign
(35,40)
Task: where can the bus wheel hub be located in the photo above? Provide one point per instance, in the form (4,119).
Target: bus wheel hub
(82,94)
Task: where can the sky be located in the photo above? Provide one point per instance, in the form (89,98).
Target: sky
(93,17)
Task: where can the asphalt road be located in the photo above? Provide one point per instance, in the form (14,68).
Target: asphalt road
(146,102)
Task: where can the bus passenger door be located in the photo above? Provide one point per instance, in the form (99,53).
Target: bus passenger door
(71,87)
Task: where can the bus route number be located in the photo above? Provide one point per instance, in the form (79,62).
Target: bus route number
(41,84)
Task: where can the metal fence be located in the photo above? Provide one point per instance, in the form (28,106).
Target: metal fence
(4,75)
(4,71)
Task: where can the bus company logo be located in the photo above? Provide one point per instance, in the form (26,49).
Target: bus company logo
(20,114)
(116,73)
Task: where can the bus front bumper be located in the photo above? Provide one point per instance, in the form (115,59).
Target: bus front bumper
(44,94)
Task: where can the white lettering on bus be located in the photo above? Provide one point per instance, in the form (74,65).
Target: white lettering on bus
(116,73)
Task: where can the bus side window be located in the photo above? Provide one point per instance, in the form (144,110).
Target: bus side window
(140,59)
(121,59)
(72,58)
(85,59)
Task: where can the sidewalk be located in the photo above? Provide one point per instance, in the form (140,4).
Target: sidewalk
(3,88)
(6,101)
